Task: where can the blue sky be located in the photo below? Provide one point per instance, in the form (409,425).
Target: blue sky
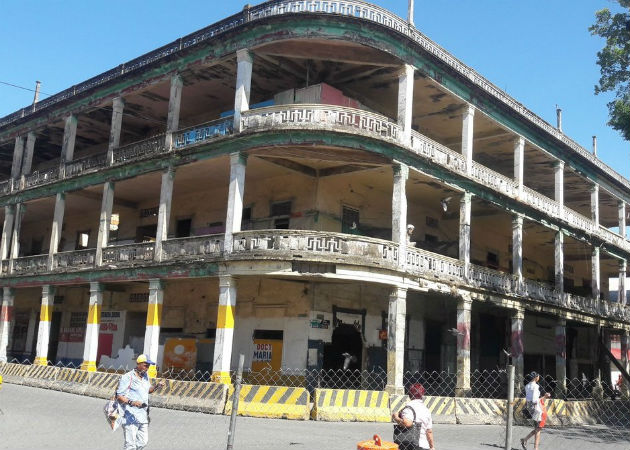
(538,51)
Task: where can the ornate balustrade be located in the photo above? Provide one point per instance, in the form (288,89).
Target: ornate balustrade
(437,153)
(486,278)
(141,149)
(204,132)
(539,290)
(5,187)
(321,116)
(41,177)
(77,259)
(4,266)
(34,264)
(79,166)
(128,254)
(192,247)
(579,221)
(425,263)
(541,202)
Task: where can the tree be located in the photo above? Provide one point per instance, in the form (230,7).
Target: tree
(614,64)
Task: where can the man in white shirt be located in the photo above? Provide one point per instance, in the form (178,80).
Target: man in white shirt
(422,420)
(534,407)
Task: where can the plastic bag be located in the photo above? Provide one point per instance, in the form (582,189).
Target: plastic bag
(114,413)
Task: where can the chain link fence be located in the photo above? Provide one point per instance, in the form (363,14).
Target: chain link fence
(581,413)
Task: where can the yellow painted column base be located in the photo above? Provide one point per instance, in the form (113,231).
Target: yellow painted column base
(221,377)
(152,372)
(40,361)
(90,366)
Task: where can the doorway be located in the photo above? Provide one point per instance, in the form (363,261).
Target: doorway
(343,358)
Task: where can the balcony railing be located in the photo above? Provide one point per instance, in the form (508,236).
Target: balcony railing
(202,133)
(41,177)
(80,166)
(424,263)
(138,150)
(192,247)
(34,264)
(77,259)
(128,254)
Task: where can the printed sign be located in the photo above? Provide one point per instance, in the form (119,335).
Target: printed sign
(267,354)
(262,352)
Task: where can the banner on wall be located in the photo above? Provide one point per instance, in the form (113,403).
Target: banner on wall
(267,354)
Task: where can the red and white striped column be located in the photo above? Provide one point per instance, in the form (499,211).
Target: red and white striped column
(154,320)
(90,350)
(6,321)
(43,332)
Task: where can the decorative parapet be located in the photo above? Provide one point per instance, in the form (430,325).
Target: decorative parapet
(192,247)
(77,259)
(41,177)
(129,254)
(83,165)
(138,150)
(427,264)
(30,264)
(202,133)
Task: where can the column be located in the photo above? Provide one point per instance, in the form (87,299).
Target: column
(6,317)
(517,249)
(27,159)
(7,231)
(399,211)
(595,277)
(18,153)
(621,207)
(519,164)
(154,320)
(405,101)
(174,104)
(118,105)
(467,136)
(164,211)
(107,203)
(396,318)
(464,231)
(558,253)
(57,226)
(625,347)
(558,171)
(517,346)
(30,332)
(45,319)
(236,191)
(463,347)
(225,330)
(20,209)
(67,146)
(595,204)
(621,293)
(561,358)
(90,350)
(244,61)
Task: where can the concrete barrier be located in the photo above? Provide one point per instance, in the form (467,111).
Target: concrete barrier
(192,396)
(480,411)
(102,384)
(442,408)
(351,405)
(40,376)
(14,373)
(270,401)
(74,381)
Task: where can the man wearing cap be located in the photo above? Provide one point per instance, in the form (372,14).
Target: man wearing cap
(133,392)
(415,413)
(534,404)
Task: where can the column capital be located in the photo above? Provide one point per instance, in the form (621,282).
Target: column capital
(96,287)
(238,158)
(517,219)
(244,55)
(561,322)
(405,70)
(118,103)
(397,292)
(558,164)
(400,170)
(48,290)
(468,110)
(594,187)
(156,284)
(227,281)
(464,302)
(518,313)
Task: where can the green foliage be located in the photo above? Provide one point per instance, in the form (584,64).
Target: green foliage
(614,63)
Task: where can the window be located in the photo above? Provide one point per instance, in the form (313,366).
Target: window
(114,221)
(349,220)
(281,213)
(83,238)
(246,219)
(36,246)
(492,260)
(183,227)
(146,233)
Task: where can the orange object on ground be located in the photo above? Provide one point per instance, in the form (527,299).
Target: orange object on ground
(376,444)
(543,418)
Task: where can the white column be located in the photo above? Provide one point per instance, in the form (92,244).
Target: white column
(15,235)
(595,204)
(405,101)
(517,345)
(107,203)
(6,317)
(238,164)
(67,146)
(595,277)
(621,205)
(467,136)
(154,320)
(164,212)
(464,306)
(118,105)
(561,358)
(519,164)
(174,105)
(399,211)
(464,231)
(558,171)
(57,226)
(18,153)
(90,350)
(7,231)
(30,332)
(244,60)
(517,248)
(558,253)
(225,330)
(396,317)
(27,159)
(623,267)
(45,319)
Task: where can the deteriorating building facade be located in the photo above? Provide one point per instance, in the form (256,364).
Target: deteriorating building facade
(298,181)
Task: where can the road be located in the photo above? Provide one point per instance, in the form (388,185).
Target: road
(33,418)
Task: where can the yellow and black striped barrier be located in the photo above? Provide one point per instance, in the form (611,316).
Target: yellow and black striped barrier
(270,401)
(351,405)
(442,408)
(73,381)
(192,395)
(41,376)
(102,384)
(480,411)
(14,373)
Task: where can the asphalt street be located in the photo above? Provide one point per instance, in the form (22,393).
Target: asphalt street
(33,418)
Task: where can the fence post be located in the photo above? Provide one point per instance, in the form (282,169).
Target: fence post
(510,408)
(235,396)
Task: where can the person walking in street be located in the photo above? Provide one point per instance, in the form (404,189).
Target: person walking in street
(415,413)
(534,405)
(133,392)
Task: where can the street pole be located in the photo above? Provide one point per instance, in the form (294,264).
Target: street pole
(237,392)
(510,408)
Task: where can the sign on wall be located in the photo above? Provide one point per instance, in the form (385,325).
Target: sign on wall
(267,354)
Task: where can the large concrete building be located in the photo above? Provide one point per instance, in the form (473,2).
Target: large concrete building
(250,188)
